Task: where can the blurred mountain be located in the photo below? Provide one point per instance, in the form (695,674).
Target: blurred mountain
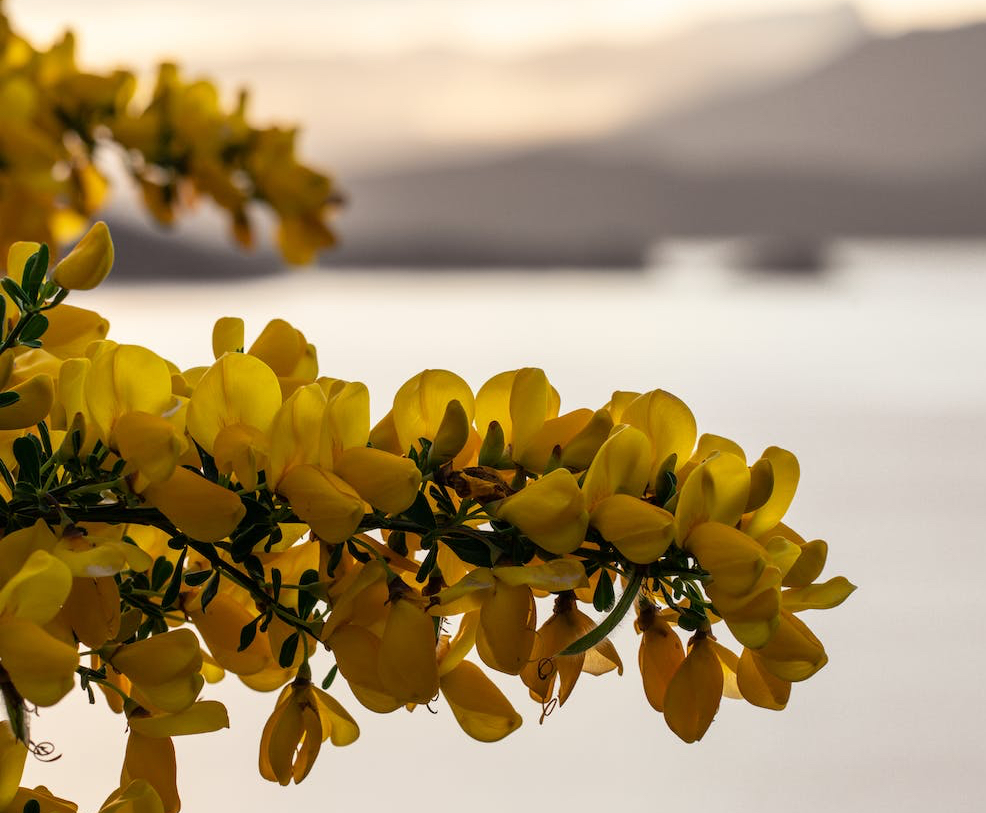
(897,107)
(371,112)
(888,139)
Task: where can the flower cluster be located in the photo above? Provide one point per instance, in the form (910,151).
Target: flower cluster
(178,145)
(246,517)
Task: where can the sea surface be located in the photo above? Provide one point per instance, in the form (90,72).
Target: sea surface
(873,373)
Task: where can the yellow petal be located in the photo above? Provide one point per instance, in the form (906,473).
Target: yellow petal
(199,718)
(693,695)
(149,444)
(621,466)
(668,423)
(237,389)
(346,420)
(220,627)
(125,378)
(41,667)
(553,576)
(93,610)
(284,349)
(809,564)
(822,596)
(166,668)
(13,755)
(758,686)
(640,531)
(357,653)
(325,502)
(716,490)
(407,667)
(386,481)
(733,559)
(786,473)
(420,404)
(71,329)
(337,724)
(551,511)
(37,394)
(38,590)
(203,510)
(793,652)
(137,796)
(507,621)
(580,451)
(295,432)
(152,760)
(479,706)
(659,657)
(89,263)
(227,336)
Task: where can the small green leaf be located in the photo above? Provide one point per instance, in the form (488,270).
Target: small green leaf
(174,587)
(330,677)
(197,577)
(210,590)
(32,806)
(34,328)
(420,512)
(9,398)
(275,581)
(248,633)
(160,572)
(288,650)
(27,453)
(427,565)
(604,596)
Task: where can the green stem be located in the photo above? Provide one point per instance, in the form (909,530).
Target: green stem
(593,637)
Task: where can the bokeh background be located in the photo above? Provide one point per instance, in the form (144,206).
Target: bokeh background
(775,210)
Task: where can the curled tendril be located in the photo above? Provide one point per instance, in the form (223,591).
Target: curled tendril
(546,667)
(44,751)
(547,709)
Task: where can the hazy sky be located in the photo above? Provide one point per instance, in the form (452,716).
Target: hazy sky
(141,31)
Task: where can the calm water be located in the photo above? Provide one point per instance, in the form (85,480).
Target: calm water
(872,374)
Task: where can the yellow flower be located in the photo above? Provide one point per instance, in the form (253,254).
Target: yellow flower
(138,796)
(164,669)
(660,655)
(551,511)
(303,719)
(566,625)
(695,690)
(407,663)
(151,759)
(420,406)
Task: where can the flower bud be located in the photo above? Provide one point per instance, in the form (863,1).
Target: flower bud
(89,262)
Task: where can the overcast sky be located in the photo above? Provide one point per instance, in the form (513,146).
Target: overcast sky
(116,30)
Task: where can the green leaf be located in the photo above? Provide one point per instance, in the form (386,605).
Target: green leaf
(604,596)
(427,565)
(593,637)
(248,633)
(9,398)
(330,677)
(197,577)
(27,453)
(45,437)
(160,572)
(174,587)
(306,599)
(420,512)
(210,590)
(32,806)
(288,650)
(275,581)
(397,542)
(15,292)
(34,328)
(34,272)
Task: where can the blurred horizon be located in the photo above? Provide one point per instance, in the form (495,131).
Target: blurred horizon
(512,134)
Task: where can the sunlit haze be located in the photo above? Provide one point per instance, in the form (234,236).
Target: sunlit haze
(113,30)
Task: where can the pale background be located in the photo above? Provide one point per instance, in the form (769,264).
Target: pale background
(872,373)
